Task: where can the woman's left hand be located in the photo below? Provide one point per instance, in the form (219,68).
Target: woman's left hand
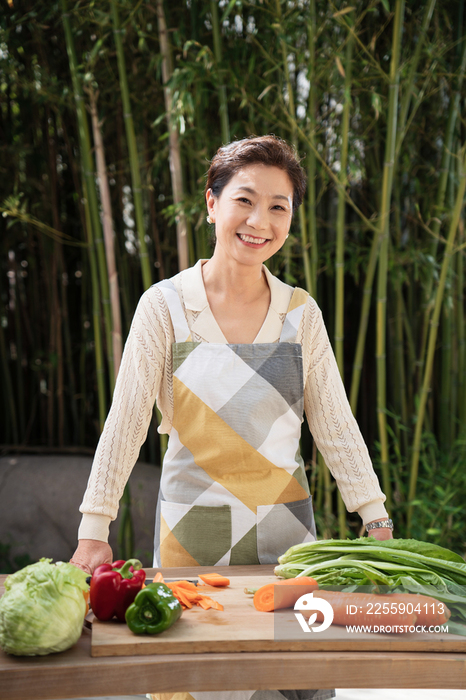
(381,533)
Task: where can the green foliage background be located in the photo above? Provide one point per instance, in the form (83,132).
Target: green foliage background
(372,95)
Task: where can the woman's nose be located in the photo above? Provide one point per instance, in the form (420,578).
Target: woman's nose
(257,218)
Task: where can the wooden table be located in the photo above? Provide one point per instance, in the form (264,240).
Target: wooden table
(74,673)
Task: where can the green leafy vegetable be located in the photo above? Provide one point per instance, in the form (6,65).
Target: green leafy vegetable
(43,609)
(402,564)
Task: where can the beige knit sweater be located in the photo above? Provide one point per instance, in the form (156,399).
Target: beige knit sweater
(145,376)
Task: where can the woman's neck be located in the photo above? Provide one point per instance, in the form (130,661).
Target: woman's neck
(239,299)
(244,283)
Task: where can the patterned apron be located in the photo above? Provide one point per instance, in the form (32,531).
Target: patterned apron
(233,488)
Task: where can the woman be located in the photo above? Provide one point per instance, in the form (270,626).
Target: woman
(232,355)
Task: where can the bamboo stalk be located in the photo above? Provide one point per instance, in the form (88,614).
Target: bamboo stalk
(107,221)
(132,150)
(380,237)
(8,394)
(56,323)
(311,256)
(54,313)
(438,209)
(460,325)
(445,415)
(69,379)
(384,249)
(159,264)
(409,89)
(340,245)
(400,371)
(99,282)
(174,142)
(19,349)
(340,227)
(439,294)
(125,532)
(222,90)
(290,108)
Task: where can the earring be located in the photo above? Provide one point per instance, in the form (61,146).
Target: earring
(287,235)
(209,220)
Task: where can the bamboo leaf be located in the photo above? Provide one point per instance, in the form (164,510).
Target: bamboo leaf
(341,70)
(266,90)
(344,11)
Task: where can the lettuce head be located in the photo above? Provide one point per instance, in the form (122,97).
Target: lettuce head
(43,608)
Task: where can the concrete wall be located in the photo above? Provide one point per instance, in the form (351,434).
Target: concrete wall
(39,501)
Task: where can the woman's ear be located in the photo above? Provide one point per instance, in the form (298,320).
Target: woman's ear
(210,202)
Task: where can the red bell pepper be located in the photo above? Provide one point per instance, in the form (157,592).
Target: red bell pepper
(114,587)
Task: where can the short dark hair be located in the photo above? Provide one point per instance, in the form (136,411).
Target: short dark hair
(267,150)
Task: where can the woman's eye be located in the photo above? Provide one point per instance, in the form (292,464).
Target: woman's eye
(244,199)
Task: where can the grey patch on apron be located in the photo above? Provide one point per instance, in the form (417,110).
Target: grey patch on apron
(195,480)
(234,415)
(302,510)
(275,368)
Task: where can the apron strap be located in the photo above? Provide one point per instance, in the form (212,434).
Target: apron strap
(180,325)
(293,316)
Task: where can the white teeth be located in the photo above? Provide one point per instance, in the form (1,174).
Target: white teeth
(250,239)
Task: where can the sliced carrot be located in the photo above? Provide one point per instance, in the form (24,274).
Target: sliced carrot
(183,584)
(282,593)
(182,597)
(188,594)
(207,603)
(215,579)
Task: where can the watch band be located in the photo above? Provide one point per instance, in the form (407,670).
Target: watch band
(380,523)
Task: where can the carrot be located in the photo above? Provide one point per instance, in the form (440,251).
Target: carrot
(182,596)
(366,609)
(207,603)
(183,584)
(283,593)
(188,594)
(215,579)
(429,611)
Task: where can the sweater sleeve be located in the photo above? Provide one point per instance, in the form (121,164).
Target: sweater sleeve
(138,384)
(332,424)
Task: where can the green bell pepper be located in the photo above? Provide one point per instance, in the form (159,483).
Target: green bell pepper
(154,610)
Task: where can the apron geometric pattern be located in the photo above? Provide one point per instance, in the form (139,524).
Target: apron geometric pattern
(233,487)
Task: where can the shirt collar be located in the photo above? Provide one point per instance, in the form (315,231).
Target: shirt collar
(195,299)
(192,286)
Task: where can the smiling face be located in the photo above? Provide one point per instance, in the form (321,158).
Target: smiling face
(252,215)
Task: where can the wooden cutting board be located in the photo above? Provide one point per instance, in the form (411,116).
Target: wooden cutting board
(240,627)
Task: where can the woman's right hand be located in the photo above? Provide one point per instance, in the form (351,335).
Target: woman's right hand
(90,554)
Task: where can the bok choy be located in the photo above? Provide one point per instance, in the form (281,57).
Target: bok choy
(401,564)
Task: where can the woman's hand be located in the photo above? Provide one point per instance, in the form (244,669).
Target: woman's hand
(90,554)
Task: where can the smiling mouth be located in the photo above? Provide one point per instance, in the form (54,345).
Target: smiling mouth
(251,239)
